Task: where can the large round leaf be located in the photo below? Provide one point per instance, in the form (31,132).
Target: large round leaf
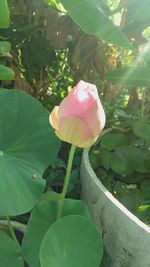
(70,242)
(142,129)
(111,141)
(144,164)
(125,159)
(104,158)
(42,217)
(10,253)
(27,146)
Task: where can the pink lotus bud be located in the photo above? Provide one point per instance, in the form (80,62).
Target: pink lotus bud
(80,117)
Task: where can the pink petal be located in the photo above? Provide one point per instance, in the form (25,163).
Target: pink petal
(78,100)
(94,116)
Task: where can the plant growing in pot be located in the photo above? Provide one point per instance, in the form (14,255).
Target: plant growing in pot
(115,184)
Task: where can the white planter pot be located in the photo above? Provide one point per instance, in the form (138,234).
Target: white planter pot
(126,238)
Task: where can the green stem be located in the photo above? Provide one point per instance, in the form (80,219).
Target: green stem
(12,231)
(66,182)
(16,225)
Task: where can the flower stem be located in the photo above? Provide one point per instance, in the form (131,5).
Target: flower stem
(12,231)
(66,182)
(16,225)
